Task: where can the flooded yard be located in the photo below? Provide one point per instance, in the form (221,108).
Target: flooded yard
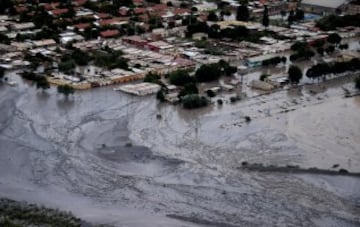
(107,158)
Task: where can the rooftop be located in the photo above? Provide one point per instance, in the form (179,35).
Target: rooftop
(325,3)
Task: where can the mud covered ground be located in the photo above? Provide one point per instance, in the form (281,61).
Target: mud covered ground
(106,157)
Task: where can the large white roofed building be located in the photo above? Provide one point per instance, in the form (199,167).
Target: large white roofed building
(323,6)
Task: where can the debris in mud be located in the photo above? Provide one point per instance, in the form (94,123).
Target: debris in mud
(294,169)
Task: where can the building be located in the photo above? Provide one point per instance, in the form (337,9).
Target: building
(135,40)
(109,33)
(258,60)
(323,7)
(23,26)
(159,46)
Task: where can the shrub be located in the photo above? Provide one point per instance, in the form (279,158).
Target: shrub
(194,101)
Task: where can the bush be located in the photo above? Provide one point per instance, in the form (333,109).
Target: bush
(180,77)
(210,93)
(357,82)
(160,96)
(208,72)
(194,101)
(152,78)
(189,89)
(234,99)
(247,119)
(263,77)
(219,102)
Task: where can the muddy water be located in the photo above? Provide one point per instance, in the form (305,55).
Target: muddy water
(107,158)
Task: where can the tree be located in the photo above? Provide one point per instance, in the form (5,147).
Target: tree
(357,82)
(66,90)
(334,38)
(295,74)
(194,101)
(2,72)
(299,14)
(242,13)
(189,89)
(42,83)
(152,78)
(283,13)
(80,57)
(298,46)
(212,16)
(208,72)
(160,96)
(170,4)
(291,17)
(180,77)
(265,20)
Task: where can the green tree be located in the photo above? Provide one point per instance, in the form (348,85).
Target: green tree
(189,89)
(357,82)
(334,38)
(66,90)
(212,16)
(2,72)
(283,13)
(295,74)
(299,14)
(194,101)
(160,96)
(291,17)
(80,57)
(180,77)
(208,72)
(242,13)
(265,19)
(152,77)
(42,83)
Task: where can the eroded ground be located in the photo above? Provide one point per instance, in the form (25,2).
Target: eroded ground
(107,157)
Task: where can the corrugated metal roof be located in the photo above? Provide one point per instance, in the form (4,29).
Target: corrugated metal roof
(325,3)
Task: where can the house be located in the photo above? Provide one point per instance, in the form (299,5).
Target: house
(23,26)
(159,46)
(58,12)
(44,43)
(323,7)
(261,85)
(109,33)
(135,40)
(258,60)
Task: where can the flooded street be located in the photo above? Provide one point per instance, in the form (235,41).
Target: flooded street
(107,158)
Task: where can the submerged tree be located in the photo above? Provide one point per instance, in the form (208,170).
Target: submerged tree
(66,90)
(295,74)
(242,13)
(265,20)
(42,83)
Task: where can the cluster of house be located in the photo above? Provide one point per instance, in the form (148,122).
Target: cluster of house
(159,50)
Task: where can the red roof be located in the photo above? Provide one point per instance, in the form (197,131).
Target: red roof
(109,33)
(82,25)
(138,2)
(56,12)
(103,15)
(123,11)
(159,7)
(20,9)
(80,2)
(112,21)
(139,11)
(180,11)
(144,17)
(50,6)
